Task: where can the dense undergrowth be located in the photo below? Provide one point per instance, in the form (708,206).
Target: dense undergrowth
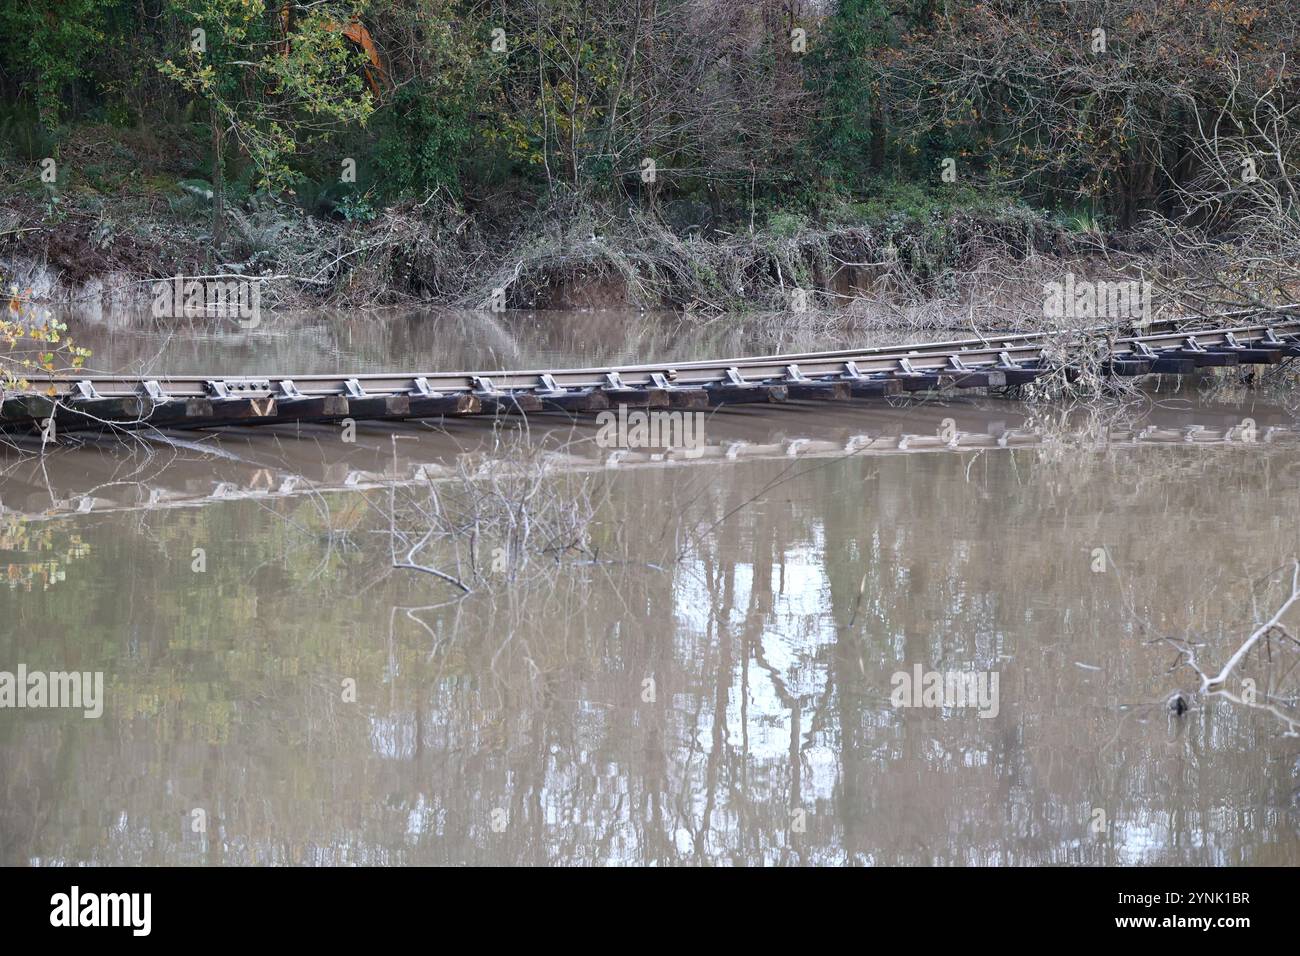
(912,161)
(138,208)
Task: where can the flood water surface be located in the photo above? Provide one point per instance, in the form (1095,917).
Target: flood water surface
(723,654)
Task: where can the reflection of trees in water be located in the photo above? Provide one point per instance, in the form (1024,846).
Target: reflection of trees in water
(770,646)
(37,556)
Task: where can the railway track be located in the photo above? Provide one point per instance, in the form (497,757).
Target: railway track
(95,401)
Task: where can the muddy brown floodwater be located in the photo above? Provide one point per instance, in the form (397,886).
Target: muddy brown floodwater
(713,677)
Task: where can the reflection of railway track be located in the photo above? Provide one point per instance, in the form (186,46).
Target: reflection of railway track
(74,489)
(198,401)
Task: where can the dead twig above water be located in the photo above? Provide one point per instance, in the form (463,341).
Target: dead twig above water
(502,517)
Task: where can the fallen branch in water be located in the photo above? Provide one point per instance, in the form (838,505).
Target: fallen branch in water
(1215,686)
(451,579)
(409,564)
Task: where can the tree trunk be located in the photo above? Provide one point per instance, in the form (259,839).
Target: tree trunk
(218,184)
(877,132)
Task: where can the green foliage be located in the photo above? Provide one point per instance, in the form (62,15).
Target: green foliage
(784,225)
(32,342)
(913,202)
(22,136)
(580,92)
(426,126)
(53,48)
(1083,220)
(306,85)
(843,68)
(356,207)
(422,142)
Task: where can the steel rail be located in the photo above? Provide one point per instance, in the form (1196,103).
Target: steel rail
(1016,338)
(923,357)
(90,400)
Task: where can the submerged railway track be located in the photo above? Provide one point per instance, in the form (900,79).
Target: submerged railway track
(95,401)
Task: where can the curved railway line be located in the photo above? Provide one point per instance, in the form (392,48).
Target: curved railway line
(1175,347)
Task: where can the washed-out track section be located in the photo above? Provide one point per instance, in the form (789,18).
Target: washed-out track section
(93,401)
